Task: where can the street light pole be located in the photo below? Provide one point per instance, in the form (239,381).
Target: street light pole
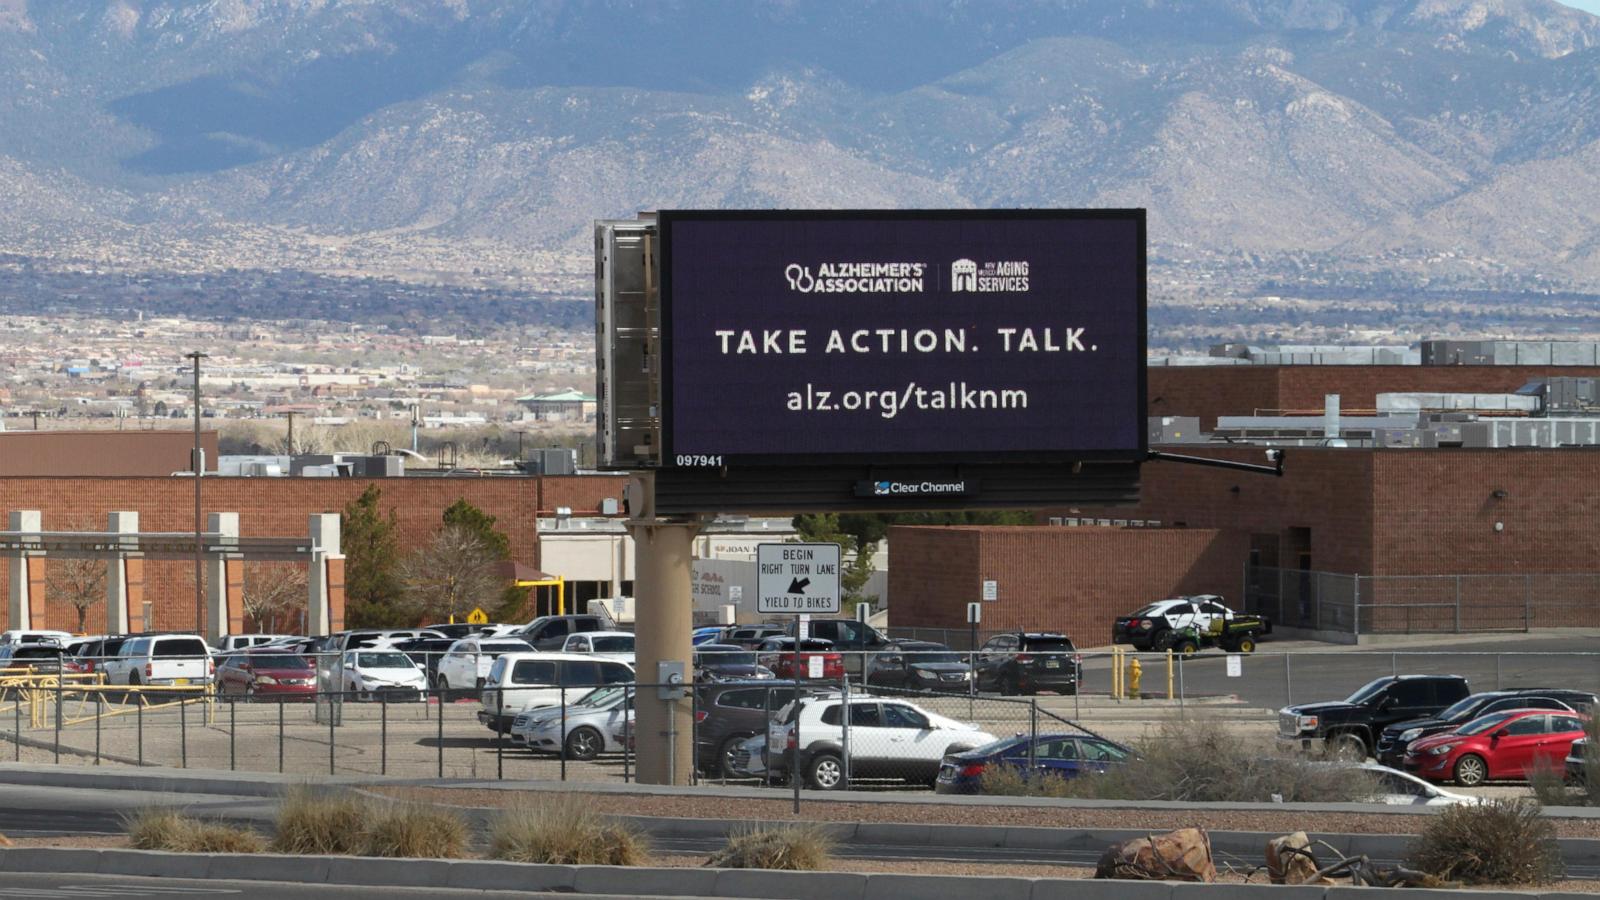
(197,464)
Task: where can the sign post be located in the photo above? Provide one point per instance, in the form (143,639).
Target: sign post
(797,579)
(974,616)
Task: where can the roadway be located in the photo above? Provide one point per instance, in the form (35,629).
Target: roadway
(54,885)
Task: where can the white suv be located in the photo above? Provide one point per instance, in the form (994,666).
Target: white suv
(163,659)
(521,681)
(888,739)
(468,661)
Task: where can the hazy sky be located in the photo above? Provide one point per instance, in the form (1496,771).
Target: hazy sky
(1587,5)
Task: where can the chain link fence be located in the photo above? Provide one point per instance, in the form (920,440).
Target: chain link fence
(1418,604)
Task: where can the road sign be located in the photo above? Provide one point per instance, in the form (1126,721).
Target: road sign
(736,593)
(477,617)
(991,591)
(797,578)
(1235,665)
(974,613)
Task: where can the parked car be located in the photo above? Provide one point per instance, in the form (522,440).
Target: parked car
(549,632)
(466,665)
(521,681)
(590,727)
(730,713)
(1577,762)
(1394,740)
(726,662)
(1397,788)
(711,634)
(918,666)
(355,640)
(426,653)
(1187,624)
(36,658)
(1056,755)
(374,673)
(888,739)
(457,630)
(267,674)
(1496,747)
(617,645)
(1027,663)
(91,655)
(752,637)
(851,638)
(778,654)
(1349,728)
(34,636)
(177,660)
(231,642)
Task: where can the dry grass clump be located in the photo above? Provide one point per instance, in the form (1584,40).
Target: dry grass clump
(797,848)
(561,829)
(170,830)
(1549,784)
(1008,781)
(312,822)
(1497,842)
(415,831)
(1200,760)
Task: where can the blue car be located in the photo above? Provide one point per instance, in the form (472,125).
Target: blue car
(1060,755)
(708,635)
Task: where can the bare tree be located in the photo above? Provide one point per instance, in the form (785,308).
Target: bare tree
(80,582)
(272,589)
(454,572)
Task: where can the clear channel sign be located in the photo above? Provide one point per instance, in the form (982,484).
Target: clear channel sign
(797,578)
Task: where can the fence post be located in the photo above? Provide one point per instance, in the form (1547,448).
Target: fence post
(16,720)
(844,731)
(1181,711)
(439,738)
(627,733)
(561,749)
(233,731)
(383,733)
(280,734)
(1356,624)
(58,710)
(1033,737)
(499,755)
(97,698)
(1527,603)
(330,732)
(183,731)
(1458,604)
(139,717)
(1288,681)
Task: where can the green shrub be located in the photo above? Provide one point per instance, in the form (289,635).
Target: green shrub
(797,848)
(1496,842)
(170,830)
(561,829)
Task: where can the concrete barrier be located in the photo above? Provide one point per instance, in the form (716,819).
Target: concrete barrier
(770,885)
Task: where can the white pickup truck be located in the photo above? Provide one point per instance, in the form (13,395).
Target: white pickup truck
(176,660)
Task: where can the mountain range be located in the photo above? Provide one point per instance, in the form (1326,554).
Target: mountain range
(1420,144)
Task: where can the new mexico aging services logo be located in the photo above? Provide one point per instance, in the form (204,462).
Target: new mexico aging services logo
(1005,276)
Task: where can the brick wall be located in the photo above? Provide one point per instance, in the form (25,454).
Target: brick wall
(1074,580)
(282,507)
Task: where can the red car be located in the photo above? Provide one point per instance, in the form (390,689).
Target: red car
(778,655)
(1499,746)
(267,674)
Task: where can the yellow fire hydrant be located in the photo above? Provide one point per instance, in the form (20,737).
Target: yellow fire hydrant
(1134,671)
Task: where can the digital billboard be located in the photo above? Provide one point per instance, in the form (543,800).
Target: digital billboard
(913,336)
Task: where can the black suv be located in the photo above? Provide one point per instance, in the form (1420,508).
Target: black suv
(919,666)
(1027,663)
(1350,728)
(1394,740)
(731,713)
(550,632)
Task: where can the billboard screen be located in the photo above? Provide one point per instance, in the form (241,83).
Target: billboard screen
(874,336)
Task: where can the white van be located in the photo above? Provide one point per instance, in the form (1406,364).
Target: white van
(521,681)
(161,659)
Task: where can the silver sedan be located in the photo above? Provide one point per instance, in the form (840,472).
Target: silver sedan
(586,732)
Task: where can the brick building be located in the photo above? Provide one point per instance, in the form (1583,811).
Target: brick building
(281,507)
(1349,540)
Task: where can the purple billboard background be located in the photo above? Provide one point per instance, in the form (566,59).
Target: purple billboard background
(731,284)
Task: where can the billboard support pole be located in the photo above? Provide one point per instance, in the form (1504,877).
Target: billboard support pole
(663,622)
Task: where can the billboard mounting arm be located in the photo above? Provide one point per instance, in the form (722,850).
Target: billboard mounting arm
(1275,457)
